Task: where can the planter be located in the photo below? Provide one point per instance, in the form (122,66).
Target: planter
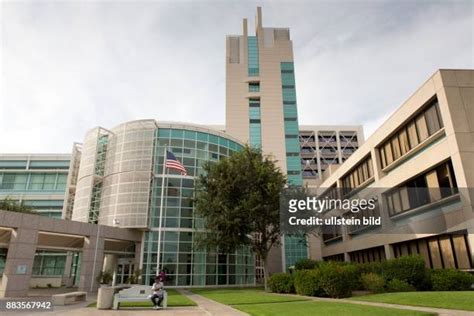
(105,297)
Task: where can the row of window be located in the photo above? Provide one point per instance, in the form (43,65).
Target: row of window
(255,125)
(293,163)
(411,134)
(442,251)
(180,134)
(426,188)
(360,174)
(33,181)
(375,254)
(321,138)
(49,264)
(407,137)
(34,164)
(253,60)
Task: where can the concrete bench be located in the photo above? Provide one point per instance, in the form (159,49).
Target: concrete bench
(69,298)
(139,293)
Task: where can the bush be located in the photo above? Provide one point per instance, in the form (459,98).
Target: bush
(281,283)
(307,282)
(373,282)
(305,264)
(370,267)
(451,280)
(337,280)
(410,269)
(396,285)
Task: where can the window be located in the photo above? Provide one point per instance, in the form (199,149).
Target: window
(411,134)
(359,175)
(254,87)
(421,127)
(396,147)
(433,119)
(253,62)
(388,153)
(404,144)
(49,264)
(426,188)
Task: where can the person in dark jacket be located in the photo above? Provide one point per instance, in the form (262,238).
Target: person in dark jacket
(157,292)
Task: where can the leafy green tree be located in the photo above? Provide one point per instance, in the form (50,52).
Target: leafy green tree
(239,199)
(8,204)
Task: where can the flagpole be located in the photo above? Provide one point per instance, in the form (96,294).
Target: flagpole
(161,212)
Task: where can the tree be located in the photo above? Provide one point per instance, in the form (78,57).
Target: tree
(10,205)
(238,197)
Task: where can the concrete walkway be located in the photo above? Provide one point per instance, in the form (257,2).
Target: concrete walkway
(211,307)
(206,307)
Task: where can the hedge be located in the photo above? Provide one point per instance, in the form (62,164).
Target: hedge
(373,282)
(410,269)
(396,285)
(305,264)
(451,280)
(281,283)
(307,282)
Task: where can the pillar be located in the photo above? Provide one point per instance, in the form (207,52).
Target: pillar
(92,261)
(19,263)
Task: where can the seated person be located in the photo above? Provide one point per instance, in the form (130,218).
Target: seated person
(157,293)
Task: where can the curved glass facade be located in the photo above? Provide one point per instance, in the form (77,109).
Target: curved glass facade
(184,264)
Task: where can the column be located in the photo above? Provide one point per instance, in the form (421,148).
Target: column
(92,261)
(19,264)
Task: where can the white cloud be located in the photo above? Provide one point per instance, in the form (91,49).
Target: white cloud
(69,66)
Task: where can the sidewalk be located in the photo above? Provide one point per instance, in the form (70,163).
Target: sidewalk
(206,307)
(211,307)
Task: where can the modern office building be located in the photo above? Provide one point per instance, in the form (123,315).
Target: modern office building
(36,180)
(420,164)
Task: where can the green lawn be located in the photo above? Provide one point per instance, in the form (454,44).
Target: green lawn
(174,299)
(451,300)
(311,308)
(237,296)
(259,303)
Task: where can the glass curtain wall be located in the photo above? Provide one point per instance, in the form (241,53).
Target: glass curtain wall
(185,265)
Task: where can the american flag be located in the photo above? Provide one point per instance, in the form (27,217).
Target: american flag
(173,163)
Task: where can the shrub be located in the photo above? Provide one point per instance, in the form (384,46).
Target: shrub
(305,264)
(372,282)
(451,280)
(337,280)
(281,283)
(396,285)
(370,267)
(307,282)
(410,269)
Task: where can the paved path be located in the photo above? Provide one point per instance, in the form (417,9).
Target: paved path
(211,307)
(206,307)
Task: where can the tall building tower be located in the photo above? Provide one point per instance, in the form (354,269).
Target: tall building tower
(261,108)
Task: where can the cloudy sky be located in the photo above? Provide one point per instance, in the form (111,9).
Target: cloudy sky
(67,66)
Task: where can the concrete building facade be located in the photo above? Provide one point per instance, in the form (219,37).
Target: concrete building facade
(421,164)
